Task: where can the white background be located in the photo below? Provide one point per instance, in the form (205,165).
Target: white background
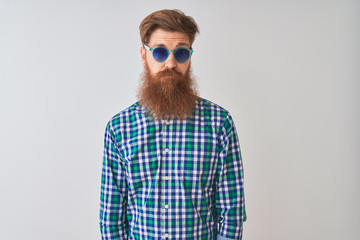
(288,72)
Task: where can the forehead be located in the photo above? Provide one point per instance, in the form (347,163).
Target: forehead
(161,37)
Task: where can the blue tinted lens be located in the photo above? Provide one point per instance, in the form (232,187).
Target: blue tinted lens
(182,55)
(160,54)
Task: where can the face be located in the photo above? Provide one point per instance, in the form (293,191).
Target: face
(170,40)
(168,88)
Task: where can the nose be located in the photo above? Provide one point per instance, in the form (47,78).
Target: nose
(170,61)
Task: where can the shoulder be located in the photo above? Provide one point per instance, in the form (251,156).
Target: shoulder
(211,107)
(125,117)
(217,115)
(214,111)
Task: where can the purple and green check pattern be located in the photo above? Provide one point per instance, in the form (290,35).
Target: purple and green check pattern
(172,179)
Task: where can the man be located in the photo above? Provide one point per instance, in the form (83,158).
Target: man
(172,165)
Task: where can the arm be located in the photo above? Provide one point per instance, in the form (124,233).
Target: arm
(113,200)
(230,201)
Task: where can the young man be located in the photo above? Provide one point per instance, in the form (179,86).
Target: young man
(172,165)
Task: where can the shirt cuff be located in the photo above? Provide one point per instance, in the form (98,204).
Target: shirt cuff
(219,237)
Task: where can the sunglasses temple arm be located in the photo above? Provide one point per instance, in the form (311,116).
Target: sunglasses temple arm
(147,48)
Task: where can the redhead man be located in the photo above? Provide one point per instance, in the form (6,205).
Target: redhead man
(172,166)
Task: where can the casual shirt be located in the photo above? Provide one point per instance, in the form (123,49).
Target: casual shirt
(172,179)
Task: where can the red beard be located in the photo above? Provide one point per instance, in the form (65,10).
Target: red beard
(168,94)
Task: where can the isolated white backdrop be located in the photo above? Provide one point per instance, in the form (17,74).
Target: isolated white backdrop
(288,72)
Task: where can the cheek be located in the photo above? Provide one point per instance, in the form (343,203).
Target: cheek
(154,66)
(184,68)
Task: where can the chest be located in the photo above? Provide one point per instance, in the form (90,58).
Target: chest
(185,151)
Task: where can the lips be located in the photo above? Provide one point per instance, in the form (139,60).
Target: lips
(169,74)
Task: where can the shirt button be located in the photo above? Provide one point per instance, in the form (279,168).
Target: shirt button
(166,206)
(167,150)
(167,122)
(166,235)
(167,178)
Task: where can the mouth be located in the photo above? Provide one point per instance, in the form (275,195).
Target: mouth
(167,76)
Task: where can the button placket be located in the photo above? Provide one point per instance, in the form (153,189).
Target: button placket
(165,191)
(167,138)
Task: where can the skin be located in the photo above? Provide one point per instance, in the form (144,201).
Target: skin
(171,40)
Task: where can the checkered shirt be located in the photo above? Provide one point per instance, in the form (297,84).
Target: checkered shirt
(172,179)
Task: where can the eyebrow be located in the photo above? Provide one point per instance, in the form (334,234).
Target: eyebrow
(177,45)
(182,44)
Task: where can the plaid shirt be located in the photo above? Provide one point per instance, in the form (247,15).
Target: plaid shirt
(172,179)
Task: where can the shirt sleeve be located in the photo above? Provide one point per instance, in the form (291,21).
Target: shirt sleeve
(230,200)
(113,199)
(219,237)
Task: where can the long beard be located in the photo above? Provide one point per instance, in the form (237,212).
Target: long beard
(168,94)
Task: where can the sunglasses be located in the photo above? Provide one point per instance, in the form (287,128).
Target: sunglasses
(160,54)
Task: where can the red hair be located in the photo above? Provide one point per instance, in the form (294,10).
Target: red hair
(168,20)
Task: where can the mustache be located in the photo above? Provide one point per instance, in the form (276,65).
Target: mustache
(169,73)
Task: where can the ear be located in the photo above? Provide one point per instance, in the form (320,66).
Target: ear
(143,54)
